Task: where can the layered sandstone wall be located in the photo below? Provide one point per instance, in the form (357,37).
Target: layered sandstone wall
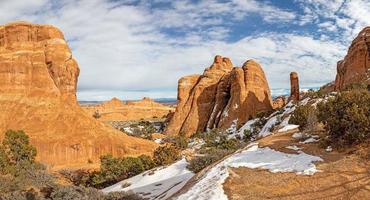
(38,79)
(355,67)
(222,96)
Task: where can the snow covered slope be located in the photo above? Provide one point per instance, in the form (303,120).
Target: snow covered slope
(160,183)
(209,187)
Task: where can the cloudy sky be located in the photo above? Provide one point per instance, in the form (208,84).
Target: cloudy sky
(136,48)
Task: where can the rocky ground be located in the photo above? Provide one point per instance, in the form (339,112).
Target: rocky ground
(341,176)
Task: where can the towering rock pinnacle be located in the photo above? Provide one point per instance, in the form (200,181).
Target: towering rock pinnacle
(294,86)
(38,79)
(355,67)
(222,96)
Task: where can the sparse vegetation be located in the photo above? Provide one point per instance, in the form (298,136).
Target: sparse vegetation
(300,116)
(21,177)
(165,155)
(113,170)
(347,118)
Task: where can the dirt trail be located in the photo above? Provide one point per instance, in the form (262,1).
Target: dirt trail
(343,176)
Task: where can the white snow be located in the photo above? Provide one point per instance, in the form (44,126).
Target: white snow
(246,126)
(128,130)
(160,183)
(294,147)
(297,135)
(209,187)
(309,140)
(266,130)
(288,128)
(158,140)
(232,128)
(329,149)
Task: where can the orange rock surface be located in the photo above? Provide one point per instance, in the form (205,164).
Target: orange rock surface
(294,86)
(38,78)
(222,96)
(116,110)
(279,102)
(355,67)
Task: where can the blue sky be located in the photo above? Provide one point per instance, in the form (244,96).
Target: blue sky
(132,48)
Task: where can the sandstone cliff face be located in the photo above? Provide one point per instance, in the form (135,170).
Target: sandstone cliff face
(116,110)
(38,79)
(294,86)
(355,67)
(222,96)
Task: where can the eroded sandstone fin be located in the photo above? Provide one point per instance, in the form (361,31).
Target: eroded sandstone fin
(355,67)
(38,79)
(223,95)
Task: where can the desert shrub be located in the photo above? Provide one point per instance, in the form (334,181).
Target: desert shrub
(180,142)
(300,116)
(143,129)
(213,155)
(16,153)
(113,170)
(147,161)
(247,135)
(96,115)
(165,155)
(347,118)
(28,179)
(315,93)
(123,196)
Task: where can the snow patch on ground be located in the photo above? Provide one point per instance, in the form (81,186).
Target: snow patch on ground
(246,126)
(294,147)
(209,187)
(160,183)
(309,140)
(266,130)
(297,135)
(288,128)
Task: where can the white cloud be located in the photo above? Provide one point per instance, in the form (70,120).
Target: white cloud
(122,50)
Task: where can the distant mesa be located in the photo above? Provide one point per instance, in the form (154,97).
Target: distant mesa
(355,67)
(224,95)
(117,110)
(38,78)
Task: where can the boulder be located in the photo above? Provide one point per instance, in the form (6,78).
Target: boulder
(355,67)
(279,102)
(38,79)
(223,96)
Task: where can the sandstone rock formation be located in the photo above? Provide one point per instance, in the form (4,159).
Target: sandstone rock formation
(294,86)
(279,102)
(38,79)
(224,95)
(355,67)
(116,110)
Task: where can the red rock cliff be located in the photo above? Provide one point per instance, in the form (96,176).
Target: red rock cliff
(38,78)
(223,95)
(355,67)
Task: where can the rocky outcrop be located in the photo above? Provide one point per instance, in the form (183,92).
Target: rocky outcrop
(223,96)
(294,87)
(116,110)
(38,78)
(279,102)
(355,67)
